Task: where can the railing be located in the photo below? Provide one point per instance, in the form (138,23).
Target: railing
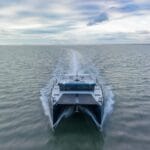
(100,87)
(52,87)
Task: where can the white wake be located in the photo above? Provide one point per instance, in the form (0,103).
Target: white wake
(45,95)
(109,102)
(77,64)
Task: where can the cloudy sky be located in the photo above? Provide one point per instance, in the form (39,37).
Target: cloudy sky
(74,21)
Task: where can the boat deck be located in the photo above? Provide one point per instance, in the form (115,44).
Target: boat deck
(74,99)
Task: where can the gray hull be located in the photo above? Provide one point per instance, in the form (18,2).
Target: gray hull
(61,111)
(77,94)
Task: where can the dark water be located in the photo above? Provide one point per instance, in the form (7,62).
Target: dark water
(26,70)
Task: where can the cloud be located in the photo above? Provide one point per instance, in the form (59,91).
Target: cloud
(143,32)
(98,19)
(129,8)
(70,21)
(132,6)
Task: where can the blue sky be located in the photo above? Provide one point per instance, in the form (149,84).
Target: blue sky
(74,21)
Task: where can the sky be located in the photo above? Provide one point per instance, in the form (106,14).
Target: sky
(74,21)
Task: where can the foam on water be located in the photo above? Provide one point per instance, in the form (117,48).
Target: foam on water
(45,94)
(77,64)
(109,101)
(46,91)
(66,113)
(90,115)
(74,63)
(89,67)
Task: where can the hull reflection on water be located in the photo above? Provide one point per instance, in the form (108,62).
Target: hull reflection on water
(82,134)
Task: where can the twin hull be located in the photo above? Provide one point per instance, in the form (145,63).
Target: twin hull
(92,111)
(76,94)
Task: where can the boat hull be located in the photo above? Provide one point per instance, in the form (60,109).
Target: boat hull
(61,111)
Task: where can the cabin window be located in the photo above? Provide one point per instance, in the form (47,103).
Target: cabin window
(76,87)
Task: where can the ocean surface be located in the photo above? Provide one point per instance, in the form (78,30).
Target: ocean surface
(25,81)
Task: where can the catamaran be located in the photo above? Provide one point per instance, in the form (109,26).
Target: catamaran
(72,94)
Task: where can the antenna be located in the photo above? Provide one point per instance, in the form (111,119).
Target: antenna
(77,79)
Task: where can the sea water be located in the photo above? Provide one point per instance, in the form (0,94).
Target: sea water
(26,73)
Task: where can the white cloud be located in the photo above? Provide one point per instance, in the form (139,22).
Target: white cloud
(66,22)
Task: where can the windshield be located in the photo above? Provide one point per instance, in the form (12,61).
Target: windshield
(76,86)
